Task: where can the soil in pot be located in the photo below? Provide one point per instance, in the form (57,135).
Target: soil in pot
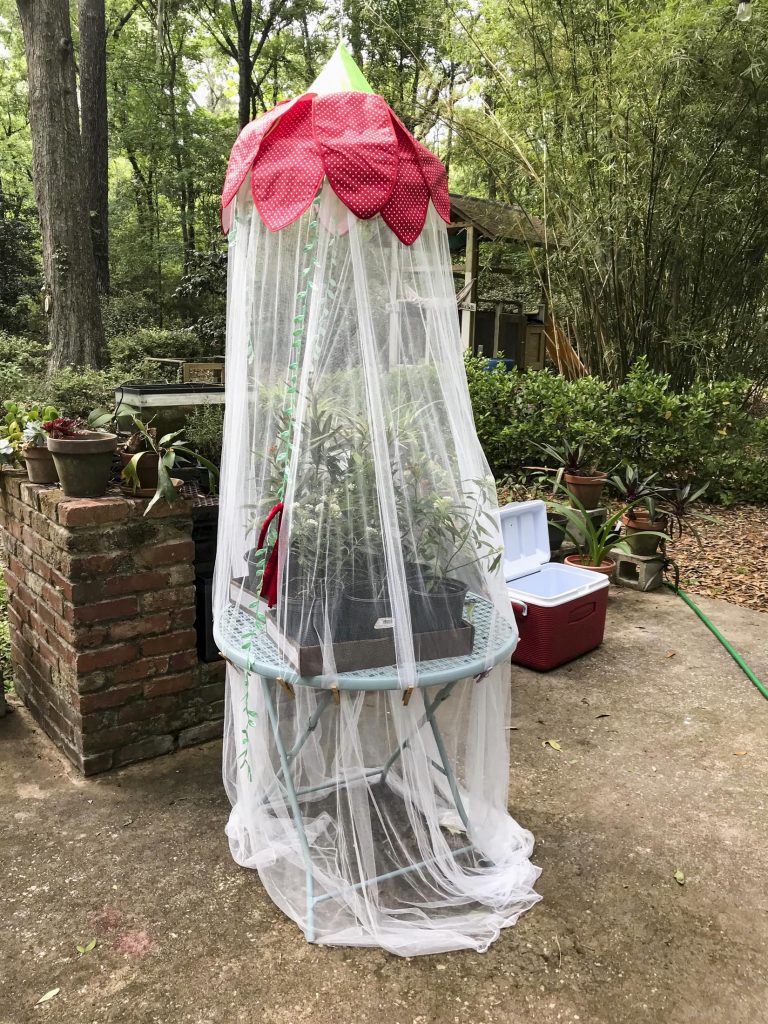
(366,612)
(436,604)
(41,468)
(586,489)
(146,468)
(633,528)
(606,567)
(84,463)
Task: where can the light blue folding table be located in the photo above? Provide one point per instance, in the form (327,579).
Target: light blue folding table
(247,646)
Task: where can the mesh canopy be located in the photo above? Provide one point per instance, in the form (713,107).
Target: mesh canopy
(359,595)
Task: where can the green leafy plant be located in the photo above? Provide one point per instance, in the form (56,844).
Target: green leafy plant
(571,459)
(711,430)
(679,505)
(107,418)
(639,491)
(169,450)
(22,426)
(594,539)
(205,430)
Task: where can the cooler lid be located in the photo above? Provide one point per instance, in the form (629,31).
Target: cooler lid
(525,537)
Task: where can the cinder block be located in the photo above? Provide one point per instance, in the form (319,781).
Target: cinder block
(638,572)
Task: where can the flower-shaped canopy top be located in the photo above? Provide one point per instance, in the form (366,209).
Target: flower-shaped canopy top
(352,138)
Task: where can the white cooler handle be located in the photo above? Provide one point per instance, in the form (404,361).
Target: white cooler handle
(519,604)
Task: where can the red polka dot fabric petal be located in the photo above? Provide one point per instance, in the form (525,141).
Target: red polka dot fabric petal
(372,162)
(436,179)
(406,209)
(356,138)
(288,171)
(245,149)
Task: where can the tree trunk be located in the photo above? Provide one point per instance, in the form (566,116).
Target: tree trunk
(74,326)
(245,63)
(93,106)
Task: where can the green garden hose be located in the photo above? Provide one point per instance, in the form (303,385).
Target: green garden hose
(675,588)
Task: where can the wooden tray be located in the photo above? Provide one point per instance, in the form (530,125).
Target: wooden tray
(351,655)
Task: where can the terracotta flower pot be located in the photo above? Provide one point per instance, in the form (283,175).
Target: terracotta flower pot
(84,463)
(586,489)
(641,522)
(605,568)
(146,468)
(41,468)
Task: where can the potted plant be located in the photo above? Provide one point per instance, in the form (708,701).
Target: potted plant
(644,523)
(595,539)
(138,451)
(556,528)
(23,434)
(450,536)
(41,469)
(678,505)
(150,465)
(582,478)
(83,457)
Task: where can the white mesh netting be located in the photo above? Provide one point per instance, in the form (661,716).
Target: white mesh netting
(366,741)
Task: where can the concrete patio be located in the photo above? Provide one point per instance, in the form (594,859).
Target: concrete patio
(663,767)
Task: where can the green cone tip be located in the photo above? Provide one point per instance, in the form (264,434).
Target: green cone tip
(341,74)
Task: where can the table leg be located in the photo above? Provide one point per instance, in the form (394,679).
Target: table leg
(293,802)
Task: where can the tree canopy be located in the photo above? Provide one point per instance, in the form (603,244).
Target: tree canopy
(635,131)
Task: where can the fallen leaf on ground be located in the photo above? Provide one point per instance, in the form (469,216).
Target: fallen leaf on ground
(671,654)
(552,743)
(604,715)
(736,538)
(679,877)
(48,995)
(739,753)
(86,947)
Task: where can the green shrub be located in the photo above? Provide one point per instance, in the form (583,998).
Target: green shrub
(22,368)
(127,312)
(708,432)
(25,354)
(128,353)
(204,431)
(75,392)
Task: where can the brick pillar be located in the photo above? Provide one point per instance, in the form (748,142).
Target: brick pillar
(102,613)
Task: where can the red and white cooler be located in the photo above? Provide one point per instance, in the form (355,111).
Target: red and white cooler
(560,609)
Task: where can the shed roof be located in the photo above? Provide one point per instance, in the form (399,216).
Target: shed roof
(498,221)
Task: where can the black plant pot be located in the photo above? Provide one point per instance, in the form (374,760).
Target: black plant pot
(556,525)
(416,572)
(366,612)
(310,617)
(436,604)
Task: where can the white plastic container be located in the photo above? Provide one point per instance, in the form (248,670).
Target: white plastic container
(560,609)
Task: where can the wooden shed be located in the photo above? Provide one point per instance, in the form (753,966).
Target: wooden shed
(495,328)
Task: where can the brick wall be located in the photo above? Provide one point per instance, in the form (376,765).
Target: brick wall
(102,613)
